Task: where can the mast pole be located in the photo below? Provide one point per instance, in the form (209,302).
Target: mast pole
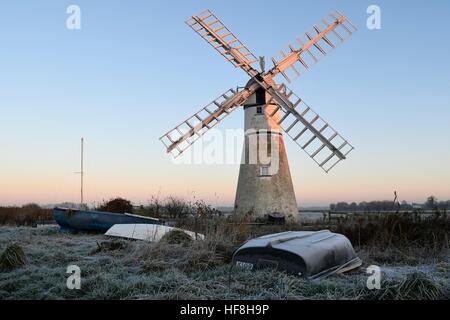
(82,170)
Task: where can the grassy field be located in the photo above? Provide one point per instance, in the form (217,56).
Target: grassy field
(122,269)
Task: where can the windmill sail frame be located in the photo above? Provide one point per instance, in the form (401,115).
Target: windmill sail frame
(323,144)
(187,132)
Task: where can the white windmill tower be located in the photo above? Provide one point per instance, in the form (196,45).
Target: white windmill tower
(265,184)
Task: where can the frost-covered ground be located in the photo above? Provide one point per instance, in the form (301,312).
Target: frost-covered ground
(137,270)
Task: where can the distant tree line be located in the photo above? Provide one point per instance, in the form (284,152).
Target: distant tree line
(431,203)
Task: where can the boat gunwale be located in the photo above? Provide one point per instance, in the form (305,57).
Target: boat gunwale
(107,213)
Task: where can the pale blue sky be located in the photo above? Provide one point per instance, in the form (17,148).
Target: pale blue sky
(135,70)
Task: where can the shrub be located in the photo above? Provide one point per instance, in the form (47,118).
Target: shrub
(175,207)
(117,205)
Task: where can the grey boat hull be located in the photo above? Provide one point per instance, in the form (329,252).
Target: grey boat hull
(310,254)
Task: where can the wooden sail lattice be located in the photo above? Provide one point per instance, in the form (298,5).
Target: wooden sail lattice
(314,44)
(186,133)
(309,131)
(314,135)
(215,33)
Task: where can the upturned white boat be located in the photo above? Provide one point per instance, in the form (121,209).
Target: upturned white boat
(147,232)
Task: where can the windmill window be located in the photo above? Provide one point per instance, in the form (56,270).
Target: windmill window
(259,110)
(264,171)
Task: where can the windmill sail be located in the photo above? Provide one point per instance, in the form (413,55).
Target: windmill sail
(186,133)
(323,37)
(308,130)
(319,140)
(210,28)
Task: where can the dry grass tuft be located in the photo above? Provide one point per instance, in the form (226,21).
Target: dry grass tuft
(108,246)
(177,237)
(416,286)
(13,257)
(189,256)
(163,256)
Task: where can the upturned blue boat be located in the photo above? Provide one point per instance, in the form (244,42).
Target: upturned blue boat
(96,221)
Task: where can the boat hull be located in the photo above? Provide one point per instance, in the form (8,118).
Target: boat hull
(146,232)
(95,221)
(310,254)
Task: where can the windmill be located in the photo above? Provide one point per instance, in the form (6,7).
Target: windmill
(265,187)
